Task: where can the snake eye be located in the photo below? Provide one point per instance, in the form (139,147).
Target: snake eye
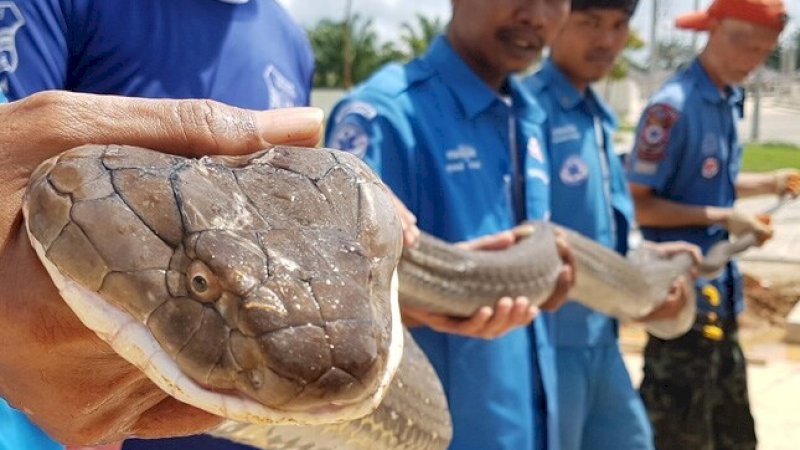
(199,284)
(203,284)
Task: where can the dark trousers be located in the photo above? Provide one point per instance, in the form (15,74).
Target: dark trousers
(695,392)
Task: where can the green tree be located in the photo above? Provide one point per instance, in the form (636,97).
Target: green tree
(418,38)
(368,54)
(620,70)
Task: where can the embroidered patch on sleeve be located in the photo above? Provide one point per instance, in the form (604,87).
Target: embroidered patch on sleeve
(654,132)
(350,137)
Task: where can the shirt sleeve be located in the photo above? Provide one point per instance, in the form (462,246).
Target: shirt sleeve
(34,51)
(360,128)
(658,146)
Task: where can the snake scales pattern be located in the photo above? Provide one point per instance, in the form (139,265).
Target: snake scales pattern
(260,287)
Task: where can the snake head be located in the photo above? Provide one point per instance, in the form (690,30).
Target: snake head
(257,288)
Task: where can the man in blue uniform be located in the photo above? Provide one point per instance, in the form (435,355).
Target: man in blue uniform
(684,175)
(599,407)
(461,144)
(244,53)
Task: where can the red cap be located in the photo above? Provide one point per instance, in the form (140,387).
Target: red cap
(767,13)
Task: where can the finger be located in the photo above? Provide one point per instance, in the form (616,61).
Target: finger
(471,326)
(568,258)
(558,297)
(186,127)
(501,320)
(497,241)
(408,219)
(523,312)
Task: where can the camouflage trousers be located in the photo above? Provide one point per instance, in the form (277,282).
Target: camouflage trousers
(695,392)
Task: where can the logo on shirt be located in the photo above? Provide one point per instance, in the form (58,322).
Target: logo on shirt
(464,157)
(654,135)
(350,137)
(710,167)
(574,171)
(282,92)
(535,150)
(11,21)
(563,134)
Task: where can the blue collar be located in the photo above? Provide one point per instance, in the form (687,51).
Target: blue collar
(474,95)
(568,96)
(733,95)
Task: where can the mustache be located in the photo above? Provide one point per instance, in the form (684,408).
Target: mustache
(600,54)
(528,34)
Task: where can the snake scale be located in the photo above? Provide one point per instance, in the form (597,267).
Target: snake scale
(261,288)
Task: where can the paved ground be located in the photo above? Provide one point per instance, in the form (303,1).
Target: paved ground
(778,122)
(774,365)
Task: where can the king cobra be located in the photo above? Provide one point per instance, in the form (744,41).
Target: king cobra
(260,288)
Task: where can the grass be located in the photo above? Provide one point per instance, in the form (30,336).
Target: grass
(762,157)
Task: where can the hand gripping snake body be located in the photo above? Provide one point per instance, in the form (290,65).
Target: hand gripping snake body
(260,288)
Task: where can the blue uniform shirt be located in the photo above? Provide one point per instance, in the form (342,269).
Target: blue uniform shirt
(467,162)
(250,55)
(687,150)
(588,189)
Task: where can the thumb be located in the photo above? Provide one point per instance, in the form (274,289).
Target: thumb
(184,127)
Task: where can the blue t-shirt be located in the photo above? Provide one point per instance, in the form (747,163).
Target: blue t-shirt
(468,162)
(588,189)
(249,55)
(687,150)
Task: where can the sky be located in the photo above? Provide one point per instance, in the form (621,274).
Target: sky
(388,15)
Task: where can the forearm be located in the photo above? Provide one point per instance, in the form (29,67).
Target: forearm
(661,213)
(749,184)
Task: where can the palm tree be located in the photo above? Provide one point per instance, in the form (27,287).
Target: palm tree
(418,38)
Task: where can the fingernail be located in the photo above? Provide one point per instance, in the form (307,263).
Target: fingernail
(291,125)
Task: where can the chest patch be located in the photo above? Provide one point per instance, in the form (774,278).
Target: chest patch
(710,167)
(564,134)
(574,171)
(462,158)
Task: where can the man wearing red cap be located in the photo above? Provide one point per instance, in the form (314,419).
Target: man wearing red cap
(684,176)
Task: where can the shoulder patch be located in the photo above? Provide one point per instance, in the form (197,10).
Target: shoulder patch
(654,132)
(359,108)
(350,137)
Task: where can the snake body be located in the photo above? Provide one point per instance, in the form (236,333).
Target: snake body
(259,288)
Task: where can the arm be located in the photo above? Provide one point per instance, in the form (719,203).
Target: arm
(52,367)
(653,211)
(779,182)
